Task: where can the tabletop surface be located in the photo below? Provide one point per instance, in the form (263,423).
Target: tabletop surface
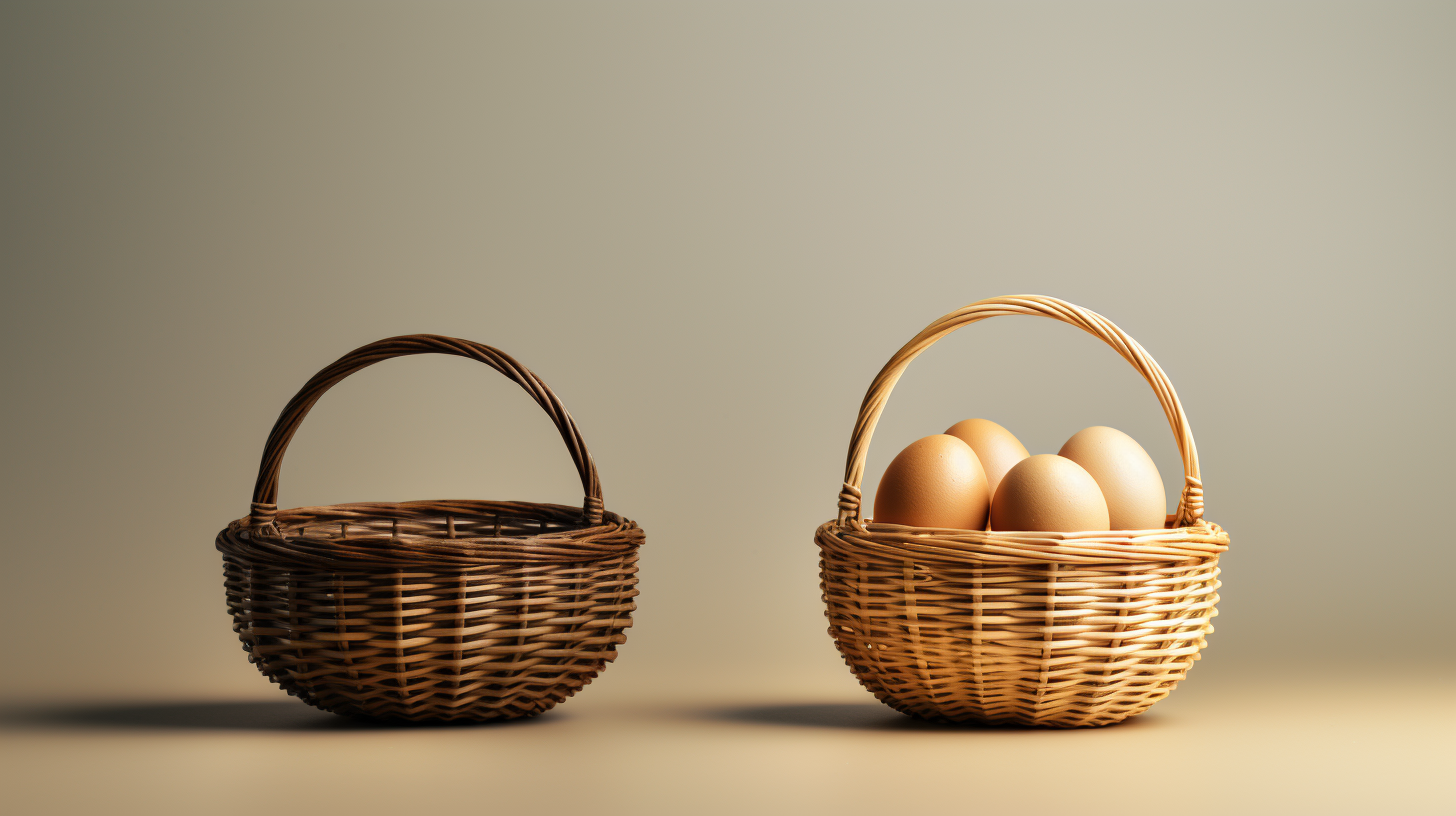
(1290,741)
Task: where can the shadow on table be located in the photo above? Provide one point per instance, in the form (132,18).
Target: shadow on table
(279,715)
(872,717)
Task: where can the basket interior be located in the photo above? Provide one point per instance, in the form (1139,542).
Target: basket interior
(446,521)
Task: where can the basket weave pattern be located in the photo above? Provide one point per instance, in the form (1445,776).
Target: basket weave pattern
(1053,629)
(438,610)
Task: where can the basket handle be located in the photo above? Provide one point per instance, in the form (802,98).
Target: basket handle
(265,492)
(1190,503)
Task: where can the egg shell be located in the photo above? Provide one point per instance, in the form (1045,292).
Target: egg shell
(1130,482)
(1048,493)
(995,446)
(936,481)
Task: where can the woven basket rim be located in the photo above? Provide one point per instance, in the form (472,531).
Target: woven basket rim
(851,537)
(571,540)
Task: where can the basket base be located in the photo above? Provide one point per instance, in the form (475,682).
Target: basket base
(432,710)
(1008,718)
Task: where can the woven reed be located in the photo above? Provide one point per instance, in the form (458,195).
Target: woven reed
(433,610)
(1050,629)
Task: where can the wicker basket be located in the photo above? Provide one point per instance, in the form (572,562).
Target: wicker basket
(1051,629)
(430,610)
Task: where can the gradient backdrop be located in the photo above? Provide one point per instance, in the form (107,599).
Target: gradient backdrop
(707,226)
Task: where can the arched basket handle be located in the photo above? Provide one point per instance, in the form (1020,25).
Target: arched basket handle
(1190,502)
(265,492)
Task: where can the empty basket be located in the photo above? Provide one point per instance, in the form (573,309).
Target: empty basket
(456,610)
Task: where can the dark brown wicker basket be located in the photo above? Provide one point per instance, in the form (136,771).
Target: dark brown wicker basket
(430,610)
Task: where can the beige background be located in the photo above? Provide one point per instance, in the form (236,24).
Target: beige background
(707,227)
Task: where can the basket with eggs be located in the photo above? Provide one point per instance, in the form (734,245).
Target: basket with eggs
(996,586)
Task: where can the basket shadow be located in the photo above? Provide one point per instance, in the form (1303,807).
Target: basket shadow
(875,717)
(280,715)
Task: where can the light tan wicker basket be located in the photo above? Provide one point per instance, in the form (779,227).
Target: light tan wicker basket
(1051,629)
(434,610)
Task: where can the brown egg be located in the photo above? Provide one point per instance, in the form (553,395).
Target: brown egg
(1126,474)
(997,449)
(1048,493)
(935,482)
